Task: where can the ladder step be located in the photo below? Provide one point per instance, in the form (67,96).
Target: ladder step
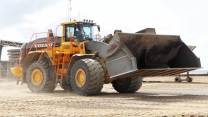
(57,80)
(60,71)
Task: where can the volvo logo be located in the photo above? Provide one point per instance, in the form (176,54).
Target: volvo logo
(42,45)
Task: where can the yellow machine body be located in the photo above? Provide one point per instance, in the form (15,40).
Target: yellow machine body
(68,46)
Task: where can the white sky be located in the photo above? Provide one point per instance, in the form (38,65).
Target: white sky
(19,19)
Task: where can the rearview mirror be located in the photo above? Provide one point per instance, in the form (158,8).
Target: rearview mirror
(98,27)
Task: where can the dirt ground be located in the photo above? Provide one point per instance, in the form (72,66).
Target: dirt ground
(164,98)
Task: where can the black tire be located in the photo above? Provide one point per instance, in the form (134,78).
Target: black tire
(94,75)
(189,79)
(65,86)
(177,79)
(127,85)
(47,84)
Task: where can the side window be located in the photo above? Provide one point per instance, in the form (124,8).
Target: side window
(69,29)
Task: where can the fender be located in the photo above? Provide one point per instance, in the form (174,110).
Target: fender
(77,57)
(100,47)
(32,57)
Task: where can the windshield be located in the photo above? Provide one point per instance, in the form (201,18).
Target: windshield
(84,32)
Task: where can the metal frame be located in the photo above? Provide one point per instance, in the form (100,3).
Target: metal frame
(10,43)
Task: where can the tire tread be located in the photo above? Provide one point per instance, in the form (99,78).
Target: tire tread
(96,77)
(49,84)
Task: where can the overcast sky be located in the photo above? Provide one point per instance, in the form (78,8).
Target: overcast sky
(19,19)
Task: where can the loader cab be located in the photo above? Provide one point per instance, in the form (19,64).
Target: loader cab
(80,31)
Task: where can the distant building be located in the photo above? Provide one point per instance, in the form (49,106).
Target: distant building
(5,69)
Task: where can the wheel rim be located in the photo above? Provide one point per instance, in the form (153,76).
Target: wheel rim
(36,77)
(80,78)
(121,81)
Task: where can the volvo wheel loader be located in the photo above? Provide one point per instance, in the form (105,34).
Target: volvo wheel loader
(78,62)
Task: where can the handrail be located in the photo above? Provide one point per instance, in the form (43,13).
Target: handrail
(32,38)
(97,37)
(54,46)
(36,42)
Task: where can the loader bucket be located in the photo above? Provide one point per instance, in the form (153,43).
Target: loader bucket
(149,54)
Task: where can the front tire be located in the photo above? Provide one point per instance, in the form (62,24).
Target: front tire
(38,79)
(87,77)
(127,85)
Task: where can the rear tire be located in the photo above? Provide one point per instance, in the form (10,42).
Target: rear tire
(87,77)
(37,77)
(127,85)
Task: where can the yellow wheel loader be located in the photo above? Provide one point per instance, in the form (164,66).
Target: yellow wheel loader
(78,62)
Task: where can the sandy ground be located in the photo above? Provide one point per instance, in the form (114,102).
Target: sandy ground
(164,98)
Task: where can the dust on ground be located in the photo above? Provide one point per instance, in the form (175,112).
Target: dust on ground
(160,97)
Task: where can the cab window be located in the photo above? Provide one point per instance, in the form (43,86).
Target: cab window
(69,29)
(84,32)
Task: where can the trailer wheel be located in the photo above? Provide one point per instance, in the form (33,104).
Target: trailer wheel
(127,85)
(178,79)
(38,79)
(87,77)
(189,79)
